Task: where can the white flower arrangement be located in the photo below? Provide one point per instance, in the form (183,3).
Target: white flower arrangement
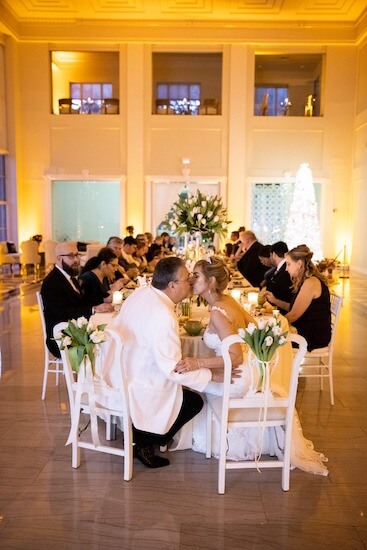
(198,212)
(265,338)
(81,338)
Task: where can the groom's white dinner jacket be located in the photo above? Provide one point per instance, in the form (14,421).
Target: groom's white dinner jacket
(149,330)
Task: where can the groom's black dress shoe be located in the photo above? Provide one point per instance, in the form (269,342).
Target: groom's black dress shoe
(148,458)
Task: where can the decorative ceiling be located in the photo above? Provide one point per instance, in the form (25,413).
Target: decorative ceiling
(285,10)
(26,19)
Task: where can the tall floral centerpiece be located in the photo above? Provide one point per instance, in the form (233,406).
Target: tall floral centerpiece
(198,215)
(198,212)
(264,340)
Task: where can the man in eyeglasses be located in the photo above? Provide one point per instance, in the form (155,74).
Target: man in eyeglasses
(62,295)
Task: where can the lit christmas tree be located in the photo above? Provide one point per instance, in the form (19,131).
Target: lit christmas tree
(303,224)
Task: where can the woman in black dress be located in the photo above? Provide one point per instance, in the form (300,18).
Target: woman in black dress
(98,277)
(309,309)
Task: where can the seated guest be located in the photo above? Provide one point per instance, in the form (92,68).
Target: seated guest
(265,259)
(171,242)
(128,249)
(62,296)
(309,309)
(157,255)
(228,247)
(142,238)
(140,256)
(235,241)
(149,237)
(159,403)
(165,242)
(248,263)
(116,244)
(279,283)
(152,251)
(98,277)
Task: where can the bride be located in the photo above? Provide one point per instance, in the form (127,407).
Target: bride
(210,279)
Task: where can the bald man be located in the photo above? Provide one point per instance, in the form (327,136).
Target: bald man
(62,296)
(247,257)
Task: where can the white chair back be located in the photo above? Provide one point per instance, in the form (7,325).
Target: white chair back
(318,363)
(51,364)
(50,254)
(30,253)
(260,411)
(92,250)
(100,399)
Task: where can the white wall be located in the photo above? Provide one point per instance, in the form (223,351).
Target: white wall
(236,145)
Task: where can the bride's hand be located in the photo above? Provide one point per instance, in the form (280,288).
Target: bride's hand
(218,374)
(186,365)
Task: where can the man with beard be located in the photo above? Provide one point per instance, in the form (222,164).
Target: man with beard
(62,295)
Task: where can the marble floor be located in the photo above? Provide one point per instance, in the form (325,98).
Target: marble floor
(45,504)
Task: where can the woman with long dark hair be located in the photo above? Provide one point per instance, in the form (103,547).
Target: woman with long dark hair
(98,277)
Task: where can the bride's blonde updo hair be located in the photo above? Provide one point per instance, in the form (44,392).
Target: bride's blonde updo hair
(214,267)
(307,269)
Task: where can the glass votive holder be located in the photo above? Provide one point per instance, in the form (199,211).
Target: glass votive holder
(236,294)
(247,307)
(117,298)
(252,298)
(185,308)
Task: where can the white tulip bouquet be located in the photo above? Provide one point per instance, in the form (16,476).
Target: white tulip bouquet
(81,338)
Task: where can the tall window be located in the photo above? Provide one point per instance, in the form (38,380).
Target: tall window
(271,204)
(3,203)
(187,83)
(72,204)
(271,101)
(89,97)
(183,98)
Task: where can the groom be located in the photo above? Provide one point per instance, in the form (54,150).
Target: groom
(148,325)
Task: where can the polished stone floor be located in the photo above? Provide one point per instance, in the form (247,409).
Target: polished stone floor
(45,504)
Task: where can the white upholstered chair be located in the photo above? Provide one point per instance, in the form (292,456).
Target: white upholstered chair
(50,255)
(318,363)
(92,250)
(249,412)
(109,403)
(29,255)
(52,364)
(6,258)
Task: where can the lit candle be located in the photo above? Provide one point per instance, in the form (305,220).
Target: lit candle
(236,294)
(252,298)
(117,298)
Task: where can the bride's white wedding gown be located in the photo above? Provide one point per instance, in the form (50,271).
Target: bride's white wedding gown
(243,443)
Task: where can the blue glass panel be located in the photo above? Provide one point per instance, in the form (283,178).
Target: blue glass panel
(85,210)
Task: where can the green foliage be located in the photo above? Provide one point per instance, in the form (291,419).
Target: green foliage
(198,212)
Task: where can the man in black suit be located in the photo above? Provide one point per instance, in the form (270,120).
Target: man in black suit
(279,285)
(247,256)
(62,295)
